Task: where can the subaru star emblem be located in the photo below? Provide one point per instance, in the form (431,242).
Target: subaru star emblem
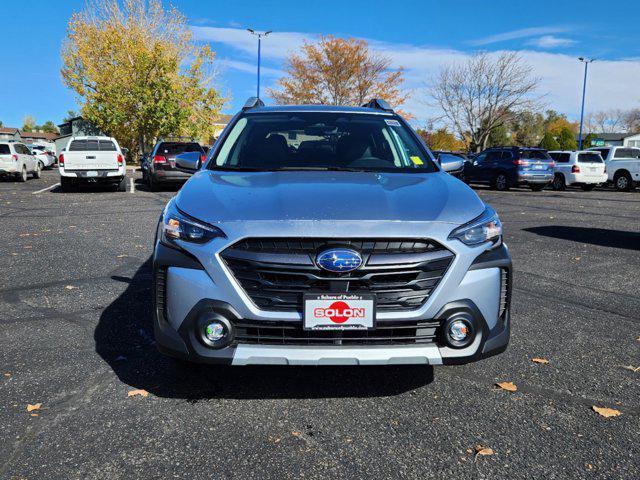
(339,260)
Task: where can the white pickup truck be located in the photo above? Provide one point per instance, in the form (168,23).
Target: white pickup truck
(623,166)
(92,160)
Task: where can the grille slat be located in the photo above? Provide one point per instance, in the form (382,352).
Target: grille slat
(276,273)
(286,333)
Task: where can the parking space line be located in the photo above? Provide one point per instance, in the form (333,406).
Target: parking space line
(133,185)
(47,188)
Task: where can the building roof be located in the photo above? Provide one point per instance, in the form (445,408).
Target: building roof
(611,137)
(79,117)
(10,130)
(40,135)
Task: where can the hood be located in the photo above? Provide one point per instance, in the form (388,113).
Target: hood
(219,197)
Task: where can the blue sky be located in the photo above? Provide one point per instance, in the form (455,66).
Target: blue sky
(419,35)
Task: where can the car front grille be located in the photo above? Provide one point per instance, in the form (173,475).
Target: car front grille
(276,273)
(288,333)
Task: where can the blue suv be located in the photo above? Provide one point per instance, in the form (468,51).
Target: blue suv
(505,167)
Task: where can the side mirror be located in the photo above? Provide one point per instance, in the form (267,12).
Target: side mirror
(189,162)
(451,164)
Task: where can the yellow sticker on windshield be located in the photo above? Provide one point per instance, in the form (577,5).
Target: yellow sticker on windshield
(416,160)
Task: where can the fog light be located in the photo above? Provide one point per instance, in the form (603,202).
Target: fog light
(458,331)
(215,331)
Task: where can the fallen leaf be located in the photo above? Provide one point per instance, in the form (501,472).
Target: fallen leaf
(638,339)
(35,406)
(136,392)
(606,412)
(589,466)
(540,360)
(7,374)
(480,450)
(631,367)
(295,434)
(577,258)
(70,287)
(508,386)
(122,256)
(34,415)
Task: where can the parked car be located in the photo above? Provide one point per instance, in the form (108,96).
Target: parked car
(17,161)
(160,166)
(623,166)
(92,159)
(46,158)
(580,168)
(349,247)
(506,167)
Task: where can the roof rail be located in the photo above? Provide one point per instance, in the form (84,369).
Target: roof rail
(253,102)
(379,104)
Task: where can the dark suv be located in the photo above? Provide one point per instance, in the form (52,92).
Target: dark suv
(159,167)
(505,167)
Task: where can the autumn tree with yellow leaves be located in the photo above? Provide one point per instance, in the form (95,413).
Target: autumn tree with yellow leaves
(339,71)
(138,73)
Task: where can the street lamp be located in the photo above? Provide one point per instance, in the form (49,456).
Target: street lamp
(584,90)
(259,35)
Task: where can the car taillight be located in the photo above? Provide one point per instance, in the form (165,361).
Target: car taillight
(575,169)
(120,160)
(552,164)
(61,160)
(159,159)
(521,161)
(15,157)
(202,158)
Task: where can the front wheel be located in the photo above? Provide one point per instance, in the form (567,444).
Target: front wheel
(558,183)
(622,182)
(22,176)
(588,188)
(537,187)
(38,171)
(500,182)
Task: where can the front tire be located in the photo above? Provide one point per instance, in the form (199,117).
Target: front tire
(500,182)
(38,172)
(559,183)
(22,176)
(623,182)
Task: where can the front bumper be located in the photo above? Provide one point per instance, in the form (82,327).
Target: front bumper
(185,289)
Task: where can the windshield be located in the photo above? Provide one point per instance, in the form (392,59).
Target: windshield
(321,141)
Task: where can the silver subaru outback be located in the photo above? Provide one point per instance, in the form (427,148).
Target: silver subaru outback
(322,235)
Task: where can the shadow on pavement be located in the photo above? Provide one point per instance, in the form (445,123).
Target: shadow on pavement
(124,339)
(594,236)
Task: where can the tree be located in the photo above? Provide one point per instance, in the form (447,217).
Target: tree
(339,71)
(70,114)
(528,128)
(566,140)
(28,123)
(555,126)
(48,127)
(441,139)
(588,140)
(499,137)
(605,121)
(138,73)
(631,120)
(484,92)
(549,143)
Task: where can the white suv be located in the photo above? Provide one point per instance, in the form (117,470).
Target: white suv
(17,161)
(583,168)
(623,166)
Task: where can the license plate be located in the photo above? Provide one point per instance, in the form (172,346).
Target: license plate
(328,311)
(592,170)
(92,173)
(539,167)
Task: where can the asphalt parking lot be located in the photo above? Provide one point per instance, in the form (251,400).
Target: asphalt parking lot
(77,338)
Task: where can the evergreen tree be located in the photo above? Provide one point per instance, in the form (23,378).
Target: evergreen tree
(549,143)
(566,140)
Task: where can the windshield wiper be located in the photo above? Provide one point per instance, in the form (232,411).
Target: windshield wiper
(317,169)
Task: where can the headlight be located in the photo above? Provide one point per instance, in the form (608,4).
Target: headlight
(179,226)
(486,228)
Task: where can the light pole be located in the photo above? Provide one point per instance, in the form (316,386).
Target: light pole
(259,35)
(584,91)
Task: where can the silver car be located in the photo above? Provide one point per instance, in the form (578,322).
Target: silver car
(322,235)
